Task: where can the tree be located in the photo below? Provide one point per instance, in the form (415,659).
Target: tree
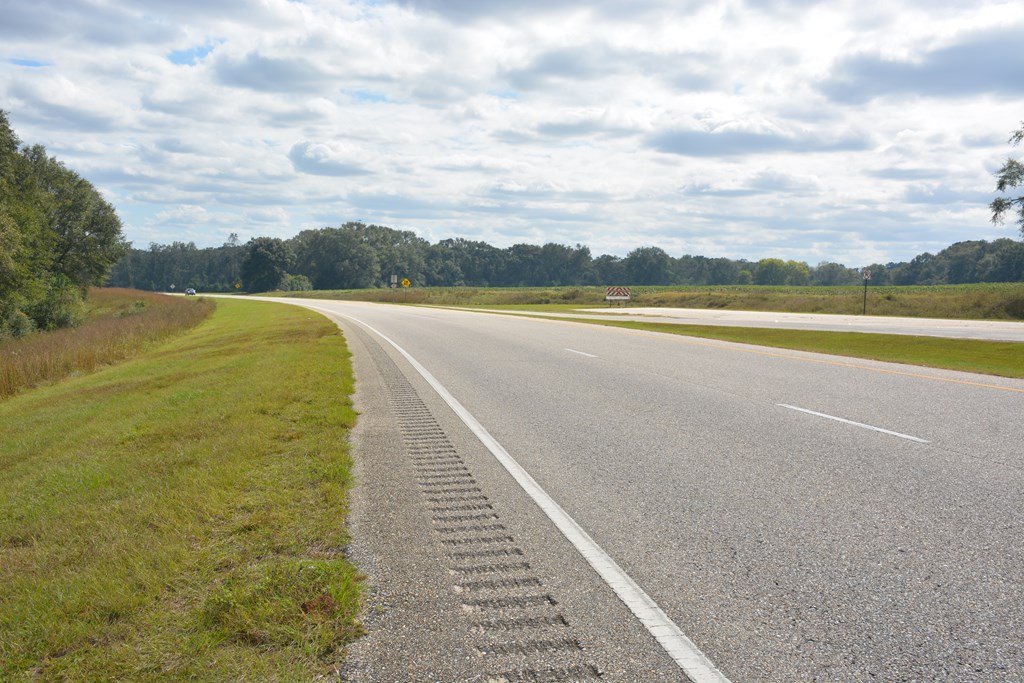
(771,271)
(58,236)
(335,258)
(831,274)
(1010,175)
(797,273)
(84,231)
(266,262)
(648,266)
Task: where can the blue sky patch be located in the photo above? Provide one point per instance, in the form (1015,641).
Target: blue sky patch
(33,63)
(190,56)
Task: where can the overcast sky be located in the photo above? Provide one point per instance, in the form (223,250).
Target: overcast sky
(857,131)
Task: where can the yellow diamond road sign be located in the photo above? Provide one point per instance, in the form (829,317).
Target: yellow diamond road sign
(405,282)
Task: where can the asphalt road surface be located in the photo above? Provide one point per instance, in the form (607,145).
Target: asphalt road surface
(792,516)
(992,330)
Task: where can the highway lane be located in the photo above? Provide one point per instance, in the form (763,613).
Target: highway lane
(788,545)
(992,330)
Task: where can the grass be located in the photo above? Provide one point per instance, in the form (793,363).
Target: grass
(1004,301)
(181,515)
(986,301)
(1004,359)
(118,323)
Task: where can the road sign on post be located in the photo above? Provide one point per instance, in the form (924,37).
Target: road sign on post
(406,283)
(867,276)
(617,294)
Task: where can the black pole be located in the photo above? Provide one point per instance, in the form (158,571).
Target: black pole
(865,295)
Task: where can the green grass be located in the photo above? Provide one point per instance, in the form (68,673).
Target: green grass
(1003,301)
(1004,359)
(181,516)
(985,301)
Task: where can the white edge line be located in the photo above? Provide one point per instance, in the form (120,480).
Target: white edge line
(855,424)
(697,667)
(582,353)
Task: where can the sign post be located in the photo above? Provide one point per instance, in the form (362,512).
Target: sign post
(617,294)
(867,276)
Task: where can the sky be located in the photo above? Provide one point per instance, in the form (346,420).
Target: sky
(857,131)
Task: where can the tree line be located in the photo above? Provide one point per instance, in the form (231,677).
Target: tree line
(358,256)
(58,237)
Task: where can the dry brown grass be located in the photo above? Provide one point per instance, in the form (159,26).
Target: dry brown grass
(119,323)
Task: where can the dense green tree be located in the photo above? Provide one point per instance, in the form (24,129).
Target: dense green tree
(797,273)
(84,232)
(648,266)
(609,270)
(265,264)
(443,268)
(880,275)
(58,236)
(398,252)
(828,274)
(336,258)
(1011,175)
(771,271)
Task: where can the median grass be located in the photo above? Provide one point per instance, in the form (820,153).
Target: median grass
(1000,301)
(1004,359)
(181,515)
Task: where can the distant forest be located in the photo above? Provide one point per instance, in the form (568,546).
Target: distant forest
(358,256)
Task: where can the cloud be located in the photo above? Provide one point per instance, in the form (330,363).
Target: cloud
(271,74)
(700,143)
(473,10)
(732,128)
(943,195)
(328,159)
(989,62)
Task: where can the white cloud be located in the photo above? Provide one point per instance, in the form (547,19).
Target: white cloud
(854,131)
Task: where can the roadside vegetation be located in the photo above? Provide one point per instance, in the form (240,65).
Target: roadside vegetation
(1004,301)
(181,515)
(58,237)
(116,324)
(1003,359)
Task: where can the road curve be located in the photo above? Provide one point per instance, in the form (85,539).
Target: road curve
(797,516)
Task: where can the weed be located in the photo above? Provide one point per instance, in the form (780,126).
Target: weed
(118,324)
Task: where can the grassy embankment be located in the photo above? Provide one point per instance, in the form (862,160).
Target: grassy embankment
(118,324)
(1001,301)
(180,516)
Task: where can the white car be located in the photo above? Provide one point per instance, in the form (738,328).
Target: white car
(190,292)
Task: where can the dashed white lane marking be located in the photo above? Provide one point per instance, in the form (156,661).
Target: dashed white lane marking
(855,424)
(582,353)
(697,667)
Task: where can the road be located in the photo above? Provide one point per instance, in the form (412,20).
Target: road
(795,516)
(991,330)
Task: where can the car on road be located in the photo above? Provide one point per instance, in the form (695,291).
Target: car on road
(190,292)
